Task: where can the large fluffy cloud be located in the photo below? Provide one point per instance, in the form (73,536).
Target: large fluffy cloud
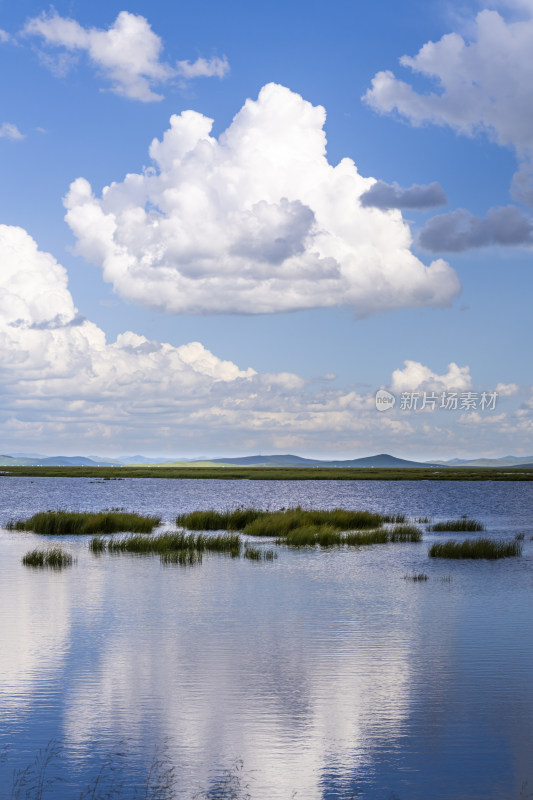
(416,376)
(128,53)
(255,221)
(47,350)
(63,386)
(483,84)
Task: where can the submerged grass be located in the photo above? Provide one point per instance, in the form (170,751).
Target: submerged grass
(457,525)
(476,548)
(54,557)
(257,554)
(68,523)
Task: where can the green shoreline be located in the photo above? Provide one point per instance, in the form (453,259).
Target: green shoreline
(278,473)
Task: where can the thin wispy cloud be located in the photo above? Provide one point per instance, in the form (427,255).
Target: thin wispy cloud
(203,68)
(10,131)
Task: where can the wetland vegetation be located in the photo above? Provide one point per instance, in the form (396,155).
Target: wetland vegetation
(464,525)
(69,523)
(54,557)
(281,473)
(476,548)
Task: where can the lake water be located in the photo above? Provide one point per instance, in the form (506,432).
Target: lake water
(323,673)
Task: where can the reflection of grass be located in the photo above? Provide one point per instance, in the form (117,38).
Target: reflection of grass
(158,780)
(417,578)
(54,557)
(182,557)
(70,523)
(42,778)
(456,525)
(476,548)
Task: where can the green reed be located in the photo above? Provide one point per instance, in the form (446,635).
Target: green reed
(476,548)
(54,557)
(457,525)
(68,523)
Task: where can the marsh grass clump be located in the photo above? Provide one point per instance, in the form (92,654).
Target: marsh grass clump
(476,548)
(97,544)
(395,518)
(463,524)
(310,536)
(254,522)
(419,577)
(405,533)
(211,520)
(175,542)
(68,523)
(281,523)
(362,538)
(328,536)
(252,553)
(54,557)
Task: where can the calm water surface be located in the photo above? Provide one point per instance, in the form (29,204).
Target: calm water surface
(325,672)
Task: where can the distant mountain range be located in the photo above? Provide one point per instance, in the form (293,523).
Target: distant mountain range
(54,461)
(382,460)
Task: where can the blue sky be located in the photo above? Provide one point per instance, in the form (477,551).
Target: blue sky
(303,295)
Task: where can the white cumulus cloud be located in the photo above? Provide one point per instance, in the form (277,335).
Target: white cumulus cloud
(128,53)
(484,84)
(47,348)
(256,221)
(64,386)
(416,376)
